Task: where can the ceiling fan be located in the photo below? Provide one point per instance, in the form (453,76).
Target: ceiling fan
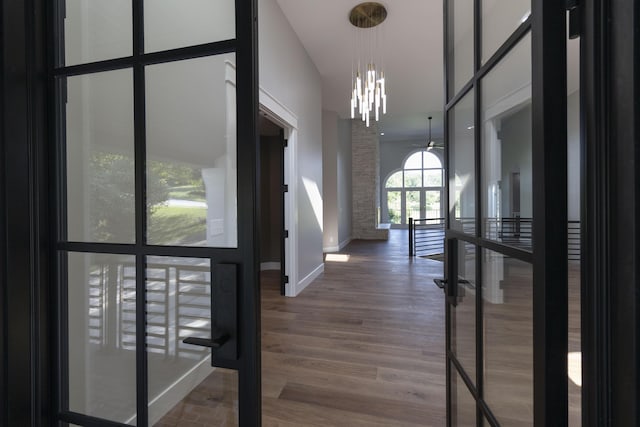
(431,144)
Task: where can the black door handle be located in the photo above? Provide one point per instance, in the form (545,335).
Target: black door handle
(224,316)
(213,343)
(452,294)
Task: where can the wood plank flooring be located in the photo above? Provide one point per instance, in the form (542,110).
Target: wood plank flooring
(363,345)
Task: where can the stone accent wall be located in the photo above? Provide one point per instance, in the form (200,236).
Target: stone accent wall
(366,182)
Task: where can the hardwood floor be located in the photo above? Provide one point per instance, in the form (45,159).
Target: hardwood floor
(363,345)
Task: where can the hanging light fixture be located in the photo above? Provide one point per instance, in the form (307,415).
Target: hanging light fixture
(430,143)
(369,93)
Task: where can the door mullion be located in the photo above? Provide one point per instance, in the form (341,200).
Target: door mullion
(550,271)
(142,390)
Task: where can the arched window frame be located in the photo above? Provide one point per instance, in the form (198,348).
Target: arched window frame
(397,212)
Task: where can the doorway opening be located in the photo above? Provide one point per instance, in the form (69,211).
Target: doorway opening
(273,189)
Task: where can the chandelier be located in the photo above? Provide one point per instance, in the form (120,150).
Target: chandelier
(368,94)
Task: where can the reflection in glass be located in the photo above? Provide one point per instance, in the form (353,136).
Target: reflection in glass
(100,157)
(170,24)
(179,306)
(463,405)
(507,291)
(463,315)
(500,18)
(191,152)
(506,149)
(573,210)
(462,197)
(102,327)
(460,39)
(215,399)
(97,30)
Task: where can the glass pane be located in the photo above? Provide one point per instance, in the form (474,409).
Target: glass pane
(179,306)
(507,291)
(460,39)
(433,177)
(394,206)
(414,161)
(500,18)
(395,180)
(102,327)
(463,405)
(506,146)
(412,203)
(413,179)
(431,161)
(462,199)
(97,30)
(100,154)
(463,315)
(432,207)
(191,152)
(573,209)
(169,24)
(213,402)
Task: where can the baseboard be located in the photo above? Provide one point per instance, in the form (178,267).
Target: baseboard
(345,242)
(338,248)
(269,266)
(308,279)
(177,391)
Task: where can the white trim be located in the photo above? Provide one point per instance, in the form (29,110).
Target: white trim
(509,102)
(338,248)
(345,242)
(283,116)
(277,110)
(269,266)
(308,280)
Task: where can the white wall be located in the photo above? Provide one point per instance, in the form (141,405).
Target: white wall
(336,166)
(344,182)
(289,75)
(330,180)
(517,157)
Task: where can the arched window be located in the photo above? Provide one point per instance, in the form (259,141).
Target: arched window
(416,190)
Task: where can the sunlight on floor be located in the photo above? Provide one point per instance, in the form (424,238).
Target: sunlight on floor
(575,367)
(337,257)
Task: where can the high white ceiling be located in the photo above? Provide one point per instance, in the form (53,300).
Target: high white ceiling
(412,49)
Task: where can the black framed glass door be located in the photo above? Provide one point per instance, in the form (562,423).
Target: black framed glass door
(506,256)
(156,261)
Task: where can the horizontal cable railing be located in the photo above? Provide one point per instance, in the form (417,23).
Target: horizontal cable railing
(573,240)
(178,306)
(426,236)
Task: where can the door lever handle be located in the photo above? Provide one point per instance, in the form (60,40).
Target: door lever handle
(441,283)
(213,343)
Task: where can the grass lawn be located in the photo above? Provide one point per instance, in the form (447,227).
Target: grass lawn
(177,225)
(187,192)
